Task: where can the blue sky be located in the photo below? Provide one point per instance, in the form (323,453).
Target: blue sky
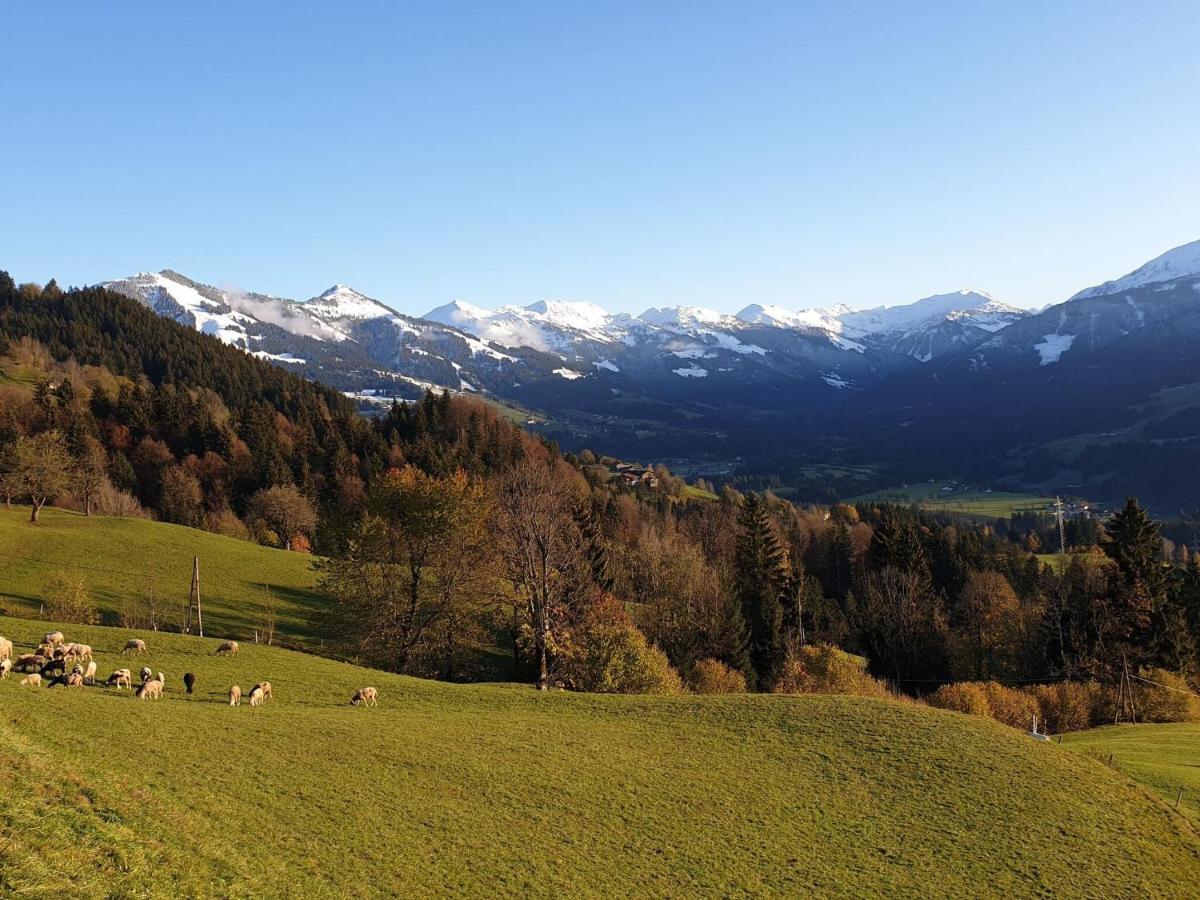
(633,154)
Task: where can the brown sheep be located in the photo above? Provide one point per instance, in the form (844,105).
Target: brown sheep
(27,662)
(135,646)
(228,648)
(54,637)
(367,696)
(256,695)
(34,680)
(48,650)
(119,678)
(75,679)
(150,690)
(235,696)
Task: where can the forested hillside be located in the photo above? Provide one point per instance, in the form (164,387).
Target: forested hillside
(443,532)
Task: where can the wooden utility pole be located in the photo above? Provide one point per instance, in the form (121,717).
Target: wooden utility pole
(1125,694)
(194,599)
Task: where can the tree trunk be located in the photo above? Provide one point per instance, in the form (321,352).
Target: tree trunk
(87,505)
(33,515)
(287,544)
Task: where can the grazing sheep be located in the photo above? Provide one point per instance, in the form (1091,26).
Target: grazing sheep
(35,680)
(119,678)
(189,681)
(77,669)
(134,645)
(265,687)
(79,651)
(145,674)
(6,648)
(5,667)
(256,695)
(54,637)
(367,696)
(75,679)
(235,696)
(228,648)
(46,650)
(151,690)
(89,674)
(59,652)
(29,661)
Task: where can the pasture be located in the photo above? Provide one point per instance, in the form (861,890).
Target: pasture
(1166,757)
(121,560)
(498,790)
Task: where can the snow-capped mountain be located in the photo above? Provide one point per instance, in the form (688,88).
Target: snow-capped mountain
(1180,262)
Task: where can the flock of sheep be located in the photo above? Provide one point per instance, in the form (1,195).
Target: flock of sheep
(55,654)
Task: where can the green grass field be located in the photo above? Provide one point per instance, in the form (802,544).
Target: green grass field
(119,558)
(1165,757)
(498,790)
(977,504)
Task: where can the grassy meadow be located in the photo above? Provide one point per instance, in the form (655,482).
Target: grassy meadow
(122,558)
(975,504)
(499,790)
(1165,757)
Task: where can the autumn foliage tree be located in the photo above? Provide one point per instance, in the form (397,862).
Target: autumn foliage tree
(43,466)
(419,572)
(283,511)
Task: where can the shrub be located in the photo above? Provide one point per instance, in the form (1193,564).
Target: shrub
(624,662)
(969,697)
(1010,706)
(1070,705)
(825,669)
(110,500)
(66,599)
(227,523)
(711,676)
(1171,700)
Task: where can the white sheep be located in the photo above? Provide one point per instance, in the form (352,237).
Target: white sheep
(256,695)
(145,674)
(6,648)
(75,679)
(367,696)
(54,637)
(235,696)
(265,687)
(151,690)
(5,667)
(89,674)
(228,648)
(119,678)
(134,645)
(79,651)
(34,680)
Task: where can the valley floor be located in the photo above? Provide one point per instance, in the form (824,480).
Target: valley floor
(497,790)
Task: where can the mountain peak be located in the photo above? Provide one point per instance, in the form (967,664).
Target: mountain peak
(1180,262)
(343,302)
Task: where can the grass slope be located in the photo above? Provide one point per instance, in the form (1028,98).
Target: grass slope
(118,558)
(1164,757)
(973,504)
(499,790)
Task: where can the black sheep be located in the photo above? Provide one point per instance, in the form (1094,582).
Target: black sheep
(189,681)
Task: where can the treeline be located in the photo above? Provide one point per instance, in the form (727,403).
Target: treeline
(450,535)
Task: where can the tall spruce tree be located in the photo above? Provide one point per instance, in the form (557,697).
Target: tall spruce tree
(758,578)
(1140,593)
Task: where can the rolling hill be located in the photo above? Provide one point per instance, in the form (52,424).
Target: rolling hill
(467,789)
(119,559)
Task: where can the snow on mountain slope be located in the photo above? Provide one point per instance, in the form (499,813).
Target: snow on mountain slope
(343,302)
(977,308)
(173,297)
(1181,262)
